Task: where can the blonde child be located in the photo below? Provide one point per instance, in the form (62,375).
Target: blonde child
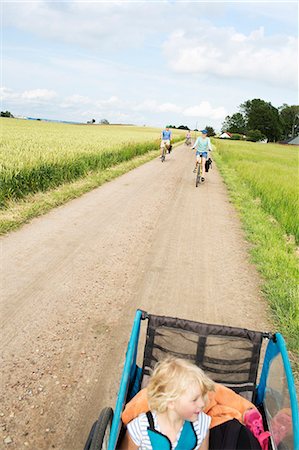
(177,394)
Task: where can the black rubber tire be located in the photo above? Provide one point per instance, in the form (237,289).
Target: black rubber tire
(89,439)
(198,176)
(101,432)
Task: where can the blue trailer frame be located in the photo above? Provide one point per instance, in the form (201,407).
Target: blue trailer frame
(276,346)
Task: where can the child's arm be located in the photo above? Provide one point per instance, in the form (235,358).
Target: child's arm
(205,442)
(127,443)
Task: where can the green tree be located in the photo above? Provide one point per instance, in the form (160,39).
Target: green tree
(254,136)
(6,114)
(210,130)
(237,137)
(225,124)
(262,116)
(104,122)
(234,124)
(289,117)
(237,124)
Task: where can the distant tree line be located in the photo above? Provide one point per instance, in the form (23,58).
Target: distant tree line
(258,120)
(6,114)
(210,130)
(181,127)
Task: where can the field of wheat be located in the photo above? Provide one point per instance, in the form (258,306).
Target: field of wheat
(37,156)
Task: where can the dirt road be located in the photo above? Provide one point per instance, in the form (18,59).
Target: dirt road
(72,280)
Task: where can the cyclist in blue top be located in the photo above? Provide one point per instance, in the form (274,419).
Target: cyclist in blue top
(165,140)
(202,146)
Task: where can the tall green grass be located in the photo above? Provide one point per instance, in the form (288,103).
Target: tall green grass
(270,171)
(37,156)
(263,183)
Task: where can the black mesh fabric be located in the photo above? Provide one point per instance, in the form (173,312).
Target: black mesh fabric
(227,355)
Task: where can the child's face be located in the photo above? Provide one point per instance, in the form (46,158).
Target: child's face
(190,404)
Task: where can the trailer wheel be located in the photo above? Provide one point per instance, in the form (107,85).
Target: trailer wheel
(101,430)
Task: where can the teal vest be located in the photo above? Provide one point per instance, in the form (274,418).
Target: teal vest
(187,441)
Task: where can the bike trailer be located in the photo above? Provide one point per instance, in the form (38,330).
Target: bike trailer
(234,357)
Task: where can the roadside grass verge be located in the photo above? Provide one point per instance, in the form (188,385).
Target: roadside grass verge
(273,251)
(20,212)
(270,171)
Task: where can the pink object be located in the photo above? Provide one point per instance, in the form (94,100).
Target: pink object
(254,422)
(281,425)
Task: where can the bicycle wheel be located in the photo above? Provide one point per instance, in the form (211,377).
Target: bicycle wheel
(198,175)
(101,430)
(163,154)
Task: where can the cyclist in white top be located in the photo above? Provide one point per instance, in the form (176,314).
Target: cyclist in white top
(202,146)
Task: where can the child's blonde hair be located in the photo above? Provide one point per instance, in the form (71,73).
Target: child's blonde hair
(171,378)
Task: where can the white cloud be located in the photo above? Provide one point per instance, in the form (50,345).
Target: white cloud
(154,106)
(39,95)
(77,99)
(34,95)
(7,93)
(129,24)
(107,59)
(205,110)
(146,105)
(89,24)
(169,107)
(226,53)
(113,106)
(112,101)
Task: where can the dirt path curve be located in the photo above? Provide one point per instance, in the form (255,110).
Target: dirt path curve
(72,280)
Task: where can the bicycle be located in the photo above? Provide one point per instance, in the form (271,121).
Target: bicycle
(163,153)
(199,173)
(165,148)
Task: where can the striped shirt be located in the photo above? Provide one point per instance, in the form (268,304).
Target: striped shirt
(137,429)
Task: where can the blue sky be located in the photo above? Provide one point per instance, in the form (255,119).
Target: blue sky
(147,62)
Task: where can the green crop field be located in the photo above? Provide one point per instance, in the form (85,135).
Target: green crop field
(263,183)
(271,173)
(37,156)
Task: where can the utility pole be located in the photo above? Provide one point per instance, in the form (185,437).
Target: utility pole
(196,129)
(294,125)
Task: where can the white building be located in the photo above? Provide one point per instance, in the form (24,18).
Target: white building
(225,135)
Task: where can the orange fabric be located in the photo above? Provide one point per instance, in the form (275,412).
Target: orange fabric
(223,405)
